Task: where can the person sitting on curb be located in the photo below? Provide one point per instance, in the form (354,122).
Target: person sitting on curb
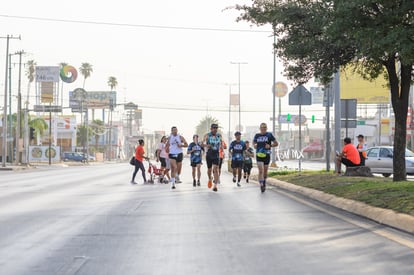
(349,156)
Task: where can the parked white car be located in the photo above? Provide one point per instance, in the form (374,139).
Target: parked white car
(379,159)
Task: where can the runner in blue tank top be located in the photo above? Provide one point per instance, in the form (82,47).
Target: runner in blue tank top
(236,149)
(195,150)
(262,142)
(212,141)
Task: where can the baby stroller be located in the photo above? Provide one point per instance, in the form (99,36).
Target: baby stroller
(154,171)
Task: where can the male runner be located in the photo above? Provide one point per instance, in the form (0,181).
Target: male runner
(212,141)
(175,146)
(262,142)
(236,149)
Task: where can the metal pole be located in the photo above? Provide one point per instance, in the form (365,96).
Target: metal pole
(337,98)
(50,134)
(19,110)
(238,64)
(300,133)
(4,155)
(327,129)
(229,134)
(273,164)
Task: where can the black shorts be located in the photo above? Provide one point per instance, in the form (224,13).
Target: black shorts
(212,161)
(236,164)
(265,160)
(163,162)
(194,164)
(348,163)
(247,167)
(220,163)
(176,157)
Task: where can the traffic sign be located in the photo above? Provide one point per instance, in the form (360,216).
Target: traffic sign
(47,108)
(300,96)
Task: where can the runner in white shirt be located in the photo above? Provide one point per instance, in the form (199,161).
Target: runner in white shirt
(174,147)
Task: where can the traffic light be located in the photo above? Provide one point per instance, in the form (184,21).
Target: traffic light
(288,117)
(313,118)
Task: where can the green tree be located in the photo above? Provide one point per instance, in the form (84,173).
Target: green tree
(203,126)
(81,135)
(98,129)
(316,38)
(112,82)
(86,70)
(30,73)
(40,126)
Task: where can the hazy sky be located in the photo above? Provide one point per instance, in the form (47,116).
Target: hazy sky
(155,67)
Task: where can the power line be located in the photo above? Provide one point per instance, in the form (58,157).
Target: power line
(130,25)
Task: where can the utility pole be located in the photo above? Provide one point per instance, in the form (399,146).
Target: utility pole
(238,65)
(19,109)
(273,164)
(4,145)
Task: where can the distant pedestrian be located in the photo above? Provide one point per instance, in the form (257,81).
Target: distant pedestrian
(222,148)
(212,141)
(162,156)
(236,150)
(349,156)
(362,149)
(174,146)
(195,150)
(139,159)
(248,162)
(262,142)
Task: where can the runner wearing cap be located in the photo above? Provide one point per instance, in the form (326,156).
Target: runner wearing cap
(212,141)
(236,150)
(196,151)
(262,142)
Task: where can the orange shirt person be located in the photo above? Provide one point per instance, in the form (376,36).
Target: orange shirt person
(139,159)
(349,156)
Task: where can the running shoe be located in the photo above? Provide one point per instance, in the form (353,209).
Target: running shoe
(133,182)
(263,187)
(215,189)
(194,183)
(238,184)
(173,186)
(244,176)
(247,180)
(234,179)
(209,184)
(198,183)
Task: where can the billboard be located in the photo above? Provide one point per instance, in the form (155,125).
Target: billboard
(47,73)
(95,100)
(352,85)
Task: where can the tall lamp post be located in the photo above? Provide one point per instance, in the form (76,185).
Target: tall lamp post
(4,145)
(238,65)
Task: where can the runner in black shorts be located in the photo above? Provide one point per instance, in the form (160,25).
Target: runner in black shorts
(212,141)
(262,142)
(248,162)
(236,149)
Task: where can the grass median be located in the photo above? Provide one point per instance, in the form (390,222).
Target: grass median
(375,191)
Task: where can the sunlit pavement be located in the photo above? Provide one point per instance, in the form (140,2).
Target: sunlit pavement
(91,220)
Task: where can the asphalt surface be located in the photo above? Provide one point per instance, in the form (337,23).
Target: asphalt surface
(91,220)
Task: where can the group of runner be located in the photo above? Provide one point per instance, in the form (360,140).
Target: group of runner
(170,154)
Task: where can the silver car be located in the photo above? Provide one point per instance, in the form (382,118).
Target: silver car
(379,159)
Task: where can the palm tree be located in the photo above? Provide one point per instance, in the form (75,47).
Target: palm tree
(30,73)
(98,129)
(112,82)
(203,126)
(40,126)
(86,70)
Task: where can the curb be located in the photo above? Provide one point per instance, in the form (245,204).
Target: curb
(387,217)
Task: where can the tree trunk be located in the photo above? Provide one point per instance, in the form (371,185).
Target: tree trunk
(399,98)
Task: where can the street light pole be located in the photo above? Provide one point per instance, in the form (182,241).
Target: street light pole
(238,64)
(273,164)
(4,145)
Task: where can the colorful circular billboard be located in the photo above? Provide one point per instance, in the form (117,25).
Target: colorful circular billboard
(68,74)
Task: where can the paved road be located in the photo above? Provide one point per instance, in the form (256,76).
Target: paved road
(90,220)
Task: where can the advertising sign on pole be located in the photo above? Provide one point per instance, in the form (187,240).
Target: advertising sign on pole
(47,73)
